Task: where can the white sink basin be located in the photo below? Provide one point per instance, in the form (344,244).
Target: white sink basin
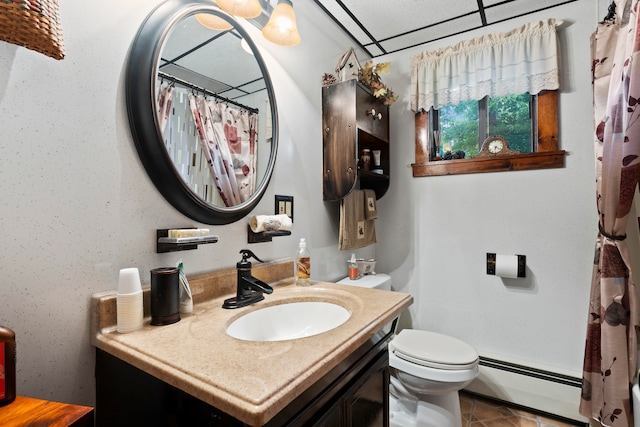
(288,321)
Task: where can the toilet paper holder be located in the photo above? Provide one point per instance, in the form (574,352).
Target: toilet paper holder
(521,260)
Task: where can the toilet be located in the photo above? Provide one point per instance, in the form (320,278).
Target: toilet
(427,371)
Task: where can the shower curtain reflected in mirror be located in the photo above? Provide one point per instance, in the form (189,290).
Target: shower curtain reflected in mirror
(228,140)
(163,111)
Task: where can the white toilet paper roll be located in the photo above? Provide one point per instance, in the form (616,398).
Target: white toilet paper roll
(507,266)
(260,223)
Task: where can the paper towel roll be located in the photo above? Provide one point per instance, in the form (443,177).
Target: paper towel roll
(260,223)
(507,266)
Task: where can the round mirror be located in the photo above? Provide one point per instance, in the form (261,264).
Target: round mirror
(202,111)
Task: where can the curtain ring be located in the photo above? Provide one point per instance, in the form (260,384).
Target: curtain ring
(610,236)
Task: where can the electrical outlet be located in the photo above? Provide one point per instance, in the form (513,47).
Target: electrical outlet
(284,205)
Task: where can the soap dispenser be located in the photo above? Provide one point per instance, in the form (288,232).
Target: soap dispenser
(353,268)
(303,264)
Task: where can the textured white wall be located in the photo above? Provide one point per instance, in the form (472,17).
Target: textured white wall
(76,204)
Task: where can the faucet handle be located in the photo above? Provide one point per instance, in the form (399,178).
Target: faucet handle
(246,254)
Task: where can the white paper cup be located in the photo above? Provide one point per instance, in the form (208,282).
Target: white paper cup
(129,281)
(129,312)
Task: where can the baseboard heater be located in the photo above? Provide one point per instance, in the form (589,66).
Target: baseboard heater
(552,392)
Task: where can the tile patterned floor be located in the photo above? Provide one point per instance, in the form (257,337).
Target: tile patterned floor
(479,412)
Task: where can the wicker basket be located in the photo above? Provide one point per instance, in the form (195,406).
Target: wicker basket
(34,24)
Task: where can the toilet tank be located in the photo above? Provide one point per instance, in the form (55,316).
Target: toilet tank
(373,281)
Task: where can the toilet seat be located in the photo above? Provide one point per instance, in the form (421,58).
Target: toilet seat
(433,350)
(456,378)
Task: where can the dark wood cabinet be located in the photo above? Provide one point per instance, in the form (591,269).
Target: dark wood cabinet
(353,394)
(353,120)
(361,402)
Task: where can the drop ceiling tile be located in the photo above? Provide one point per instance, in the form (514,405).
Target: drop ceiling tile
(436,32)
(343,17)
(385,18)
(516,8)
(374,50)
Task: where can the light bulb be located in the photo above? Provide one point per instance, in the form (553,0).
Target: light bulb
(281,28)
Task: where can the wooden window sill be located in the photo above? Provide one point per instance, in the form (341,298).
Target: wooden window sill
(528,161)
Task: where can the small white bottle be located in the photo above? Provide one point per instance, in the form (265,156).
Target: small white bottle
(303,265)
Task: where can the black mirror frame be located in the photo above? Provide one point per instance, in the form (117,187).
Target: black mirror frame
(140,83)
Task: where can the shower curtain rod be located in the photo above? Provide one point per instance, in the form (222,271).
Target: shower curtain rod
(206,92)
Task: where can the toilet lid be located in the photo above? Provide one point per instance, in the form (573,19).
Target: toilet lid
(434,350)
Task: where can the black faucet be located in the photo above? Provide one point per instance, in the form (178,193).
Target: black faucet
(250,290)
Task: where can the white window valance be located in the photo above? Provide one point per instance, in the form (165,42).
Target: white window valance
(522,60)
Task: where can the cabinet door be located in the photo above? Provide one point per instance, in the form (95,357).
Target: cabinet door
(372,115)
(367,403)
(339,141)
(333,418)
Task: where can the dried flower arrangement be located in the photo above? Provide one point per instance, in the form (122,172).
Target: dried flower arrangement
(369,76)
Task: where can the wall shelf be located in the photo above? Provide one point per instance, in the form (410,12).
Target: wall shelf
(164,243)
(264,236)
(528,161)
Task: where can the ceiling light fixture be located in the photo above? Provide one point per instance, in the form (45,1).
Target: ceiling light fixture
(281,28)
(213,22)
(241,8)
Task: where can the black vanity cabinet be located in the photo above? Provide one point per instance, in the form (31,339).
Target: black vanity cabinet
(353,120)
(355,393)
(358,398)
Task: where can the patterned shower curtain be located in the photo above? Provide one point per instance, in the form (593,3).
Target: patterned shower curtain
(611,343)
(228,138)
(164,106)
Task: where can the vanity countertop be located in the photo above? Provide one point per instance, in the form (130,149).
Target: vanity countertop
(252,381)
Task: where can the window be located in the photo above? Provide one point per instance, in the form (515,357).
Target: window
(487,79)
(462,128)
(544,154)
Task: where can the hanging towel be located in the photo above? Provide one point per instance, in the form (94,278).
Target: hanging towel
(355,230)
(370,210)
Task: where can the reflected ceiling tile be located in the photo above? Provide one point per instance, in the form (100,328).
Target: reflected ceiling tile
(253,86)
(438,31)
(517,8)
(233,94)
(195,79)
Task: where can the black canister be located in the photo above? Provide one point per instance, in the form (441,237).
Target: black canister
(165,296)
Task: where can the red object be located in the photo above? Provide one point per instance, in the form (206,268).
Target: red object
(7,366)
